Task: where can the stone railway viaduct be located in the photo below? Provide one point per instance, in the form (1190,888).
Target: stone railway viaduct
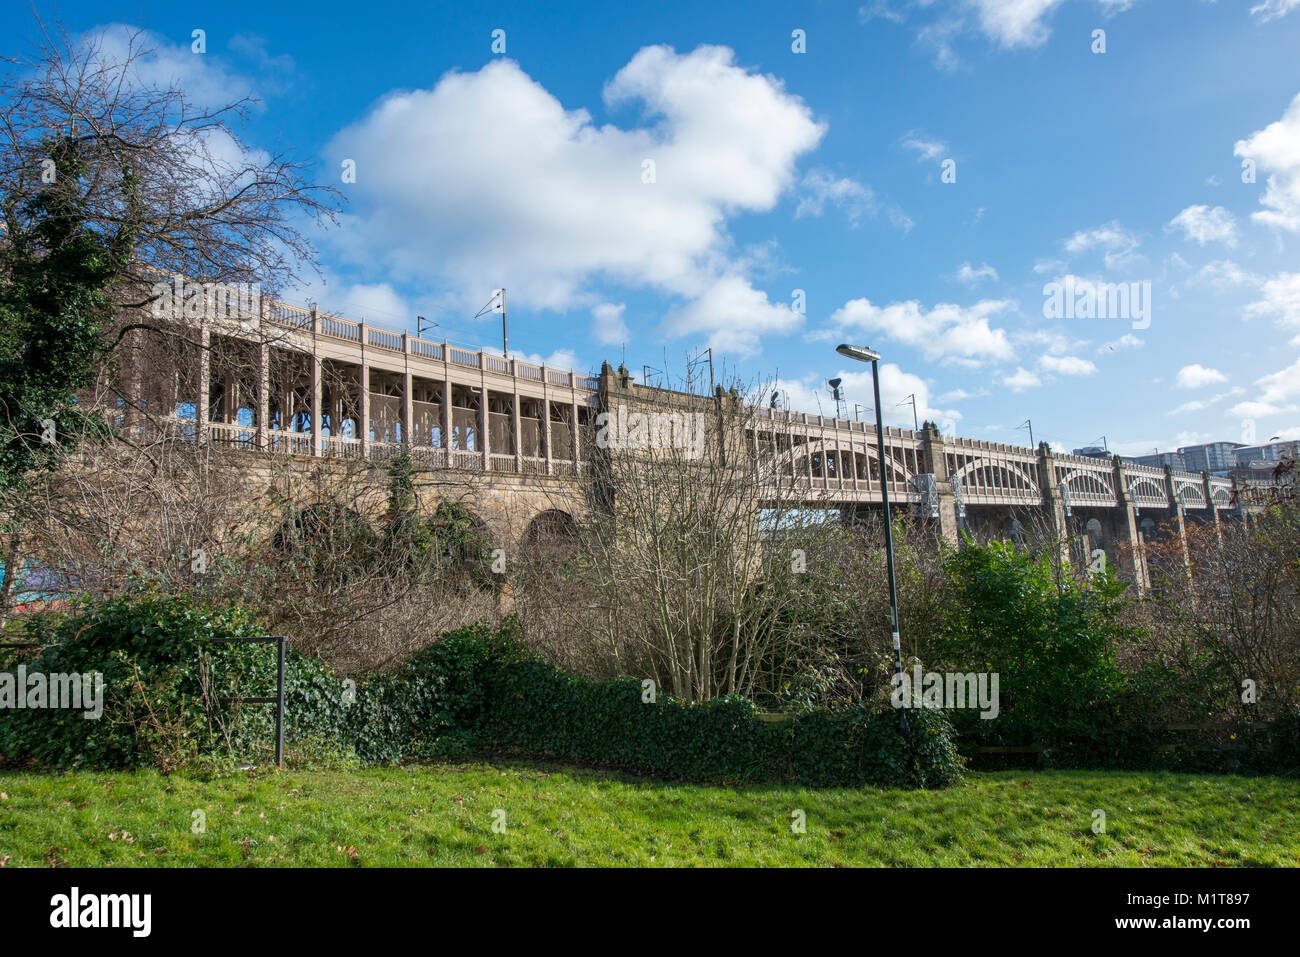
(302,383)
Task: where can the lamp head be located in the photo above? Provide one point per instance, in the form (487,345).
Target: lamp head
(861,353)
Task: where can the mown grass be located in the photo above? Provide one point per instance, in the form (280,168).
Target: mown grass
(558,816)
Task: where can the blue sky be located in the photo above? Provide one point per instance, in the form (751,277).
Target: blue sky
(664,178)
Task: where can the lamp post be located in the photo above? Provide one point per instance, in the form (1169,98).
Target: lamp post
(866,355)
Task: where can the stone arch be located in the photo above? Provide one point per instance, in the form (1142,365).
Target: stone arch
(1014,477)
(1013,530)
(1094,530)
(1192,494)
(1084,482)
(323,521)
(1148,488)
(551,534)
(849,460)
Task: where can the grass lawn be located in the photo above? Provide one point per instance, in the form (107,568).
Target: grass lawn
(558,816)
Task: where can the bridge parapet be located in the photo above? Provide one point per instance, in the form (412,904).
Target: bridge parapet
(993,473)
(1189,489)
(1145,486)
(1086,481)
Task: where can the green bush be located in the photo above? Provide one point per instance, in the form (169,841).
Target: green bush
(479,690)
(476,690)
(162,678)
(1052,640)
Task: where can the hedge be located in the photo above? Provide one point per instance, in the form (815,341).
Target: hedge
(475,690)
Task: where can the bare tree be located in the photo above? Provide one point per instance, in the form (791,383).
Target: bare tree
(109,182)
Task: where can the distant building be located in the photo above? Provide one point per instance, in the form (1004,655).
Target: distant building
(1210,456)
(1247,455)
(1093,451)
(1159,460)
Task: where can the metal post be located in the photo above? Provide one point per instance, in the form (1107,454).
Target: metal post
(279,707)
(889,542)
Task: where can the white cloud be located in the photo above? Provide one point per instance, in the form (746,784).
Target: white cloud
(1056,342)
(938,37)
(1276,149)
(1118,245)
(810,394)
(1273,9)
(564,359)
(377,302)
(946,331)
(1224,274)
(1126,341)
(926,149)
(1010,24)
(1203,224)
(971,276)
(205,79)
(878,9)
(1196,405)
(1281,300)
(1020,380)
(1066,365)
(607,325)
(1014,23)
(820,187)
(486,178)
(1278,394)
(1195,376)
(734,315)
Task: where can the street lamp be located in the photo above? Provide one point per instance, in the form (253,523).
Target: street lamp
(862,354)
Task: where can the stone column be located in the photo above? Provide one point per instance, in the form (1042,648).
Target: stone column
(514,420)
(807,458)
(1178,516)
(263,392)
(577,438)
(201,407)
(364,377)
(936,463)
(1212,506)
(1125,525)
(1053,501)
(408,397)
(546,422)
(448,434)
(483,417)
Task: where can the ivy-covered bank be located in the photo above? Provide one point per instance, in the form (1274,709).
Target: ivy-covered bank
(475,690)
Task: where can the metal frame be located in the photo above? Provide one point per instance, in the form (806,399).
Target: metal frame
(278,700)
